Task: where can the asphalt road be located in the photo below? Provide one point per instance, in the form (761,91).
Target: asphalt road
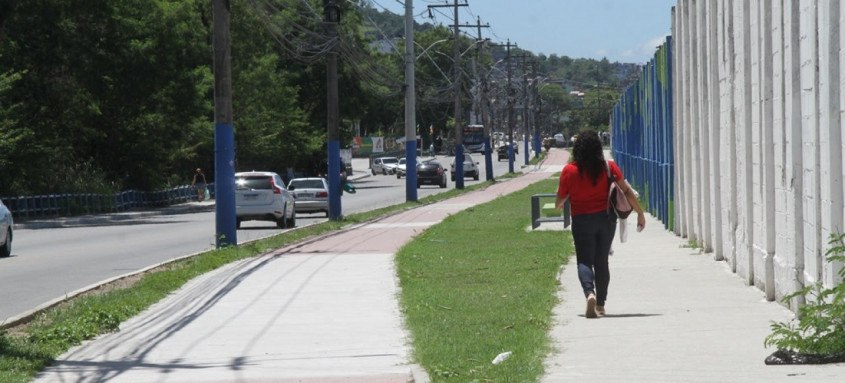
(49,262)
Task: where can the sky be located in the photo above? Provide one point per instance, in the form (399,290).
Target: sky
(626,31)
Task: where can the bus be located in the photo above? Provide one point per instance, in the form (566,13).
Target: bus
(474,138)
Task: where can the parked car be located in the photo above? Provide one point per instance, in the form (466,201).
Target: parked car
(431,172)
(470,168)
(310,194)
(384,165)
(401,168)
(262,196)
(6,226)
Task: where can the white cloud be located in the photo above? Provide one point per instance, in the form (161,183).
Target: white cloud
(650,47)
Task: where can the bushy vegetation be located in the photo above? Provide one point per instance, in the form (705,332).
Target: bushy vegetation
(109,95)
(819,328)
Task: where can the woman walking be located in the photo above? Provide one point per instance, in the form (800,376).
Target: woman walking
(585,181)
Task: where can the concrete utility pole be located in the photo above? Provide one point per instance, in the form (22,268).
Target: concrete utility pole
(226,233)
(332,19)
(510,110)
(488,160)
(410,107)
(459,133)
(535,108)
(525,129)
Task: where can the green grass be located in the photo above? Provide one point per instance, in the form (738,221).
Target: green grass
(478,284)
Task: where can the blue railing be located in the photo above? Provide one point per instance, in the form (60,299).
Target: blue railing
(65,205)
(641,132)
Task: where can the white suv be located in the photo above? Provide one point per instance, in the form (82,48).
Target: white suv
(470,168)
(262,196)
(384,165)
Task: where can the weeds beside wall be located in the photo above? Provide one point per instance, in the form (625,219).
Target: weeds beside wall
(742,107)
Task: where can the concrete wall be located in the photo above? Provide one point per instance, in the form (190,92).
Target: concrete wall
(758,136)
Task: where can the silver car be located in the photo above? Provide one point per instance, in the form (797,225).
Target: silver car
(6,224)
(384,165)
(310,194)
(262,196)
(470,168)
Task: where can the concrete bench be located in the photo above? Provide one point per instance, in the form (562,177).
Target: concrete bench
(537,217)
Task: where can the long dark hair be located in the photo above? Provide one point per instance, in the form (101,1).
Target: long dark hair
(589,155)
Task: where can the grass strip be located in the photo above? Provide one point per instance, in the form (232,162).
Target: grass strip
(26,350)
(479,284)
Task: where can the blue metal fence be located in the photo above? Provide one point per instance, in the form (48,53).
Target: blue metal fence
(64,205)
(641,133)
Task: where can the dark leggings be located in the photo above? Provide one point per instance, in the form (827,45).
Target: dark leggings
(593,235)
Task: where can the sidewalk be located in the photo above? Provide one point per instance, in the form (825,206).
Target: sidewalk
(674,315)
(326,311)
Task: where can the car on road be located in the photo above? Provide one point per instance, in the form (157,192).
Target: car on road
(431,172)
(384,165)
(470,168)
(6,227)
(310,195)
(401,169)
(262,196)
(502,153)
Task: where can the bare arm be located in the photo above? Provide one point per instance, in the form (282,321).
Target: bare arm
(559,202)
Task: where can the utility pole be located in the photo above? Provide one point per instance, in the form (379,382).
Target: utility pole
(510,100)
(410,107)
(226,233)
(535,109)
(332,19)
(459,133)
(525,131)
(510,110)
(488,159)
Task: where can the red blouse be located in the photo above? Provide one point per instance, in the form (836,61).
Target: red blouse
(584,197)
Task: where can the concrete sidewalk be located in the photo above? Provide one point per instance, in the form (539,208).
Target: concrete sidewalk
(326,311)
(674,315)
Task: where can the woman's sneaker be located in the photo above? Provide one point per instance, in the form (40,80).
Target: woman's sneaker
(591,307)
(600,311)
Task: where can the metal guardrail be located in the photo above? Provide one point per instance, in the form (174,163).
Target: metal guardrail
(64,205)
(536,212)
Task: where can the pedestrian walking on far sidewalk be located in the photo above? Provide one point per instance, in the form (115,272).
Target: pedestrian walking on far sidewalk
(585,182)
(199,184)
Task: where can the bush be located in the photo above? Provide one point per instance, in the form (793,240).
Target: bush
(820,327)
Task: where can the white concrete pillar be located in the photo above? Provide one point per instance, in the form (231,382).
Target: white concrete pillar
(810,140)
(743,231)
(764,230)
(703,85)
(830,132)
(755,145)
(677,118)
(682,169)
(779,141)
(694,145)
(728,136)
(789,270)
(714,157)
